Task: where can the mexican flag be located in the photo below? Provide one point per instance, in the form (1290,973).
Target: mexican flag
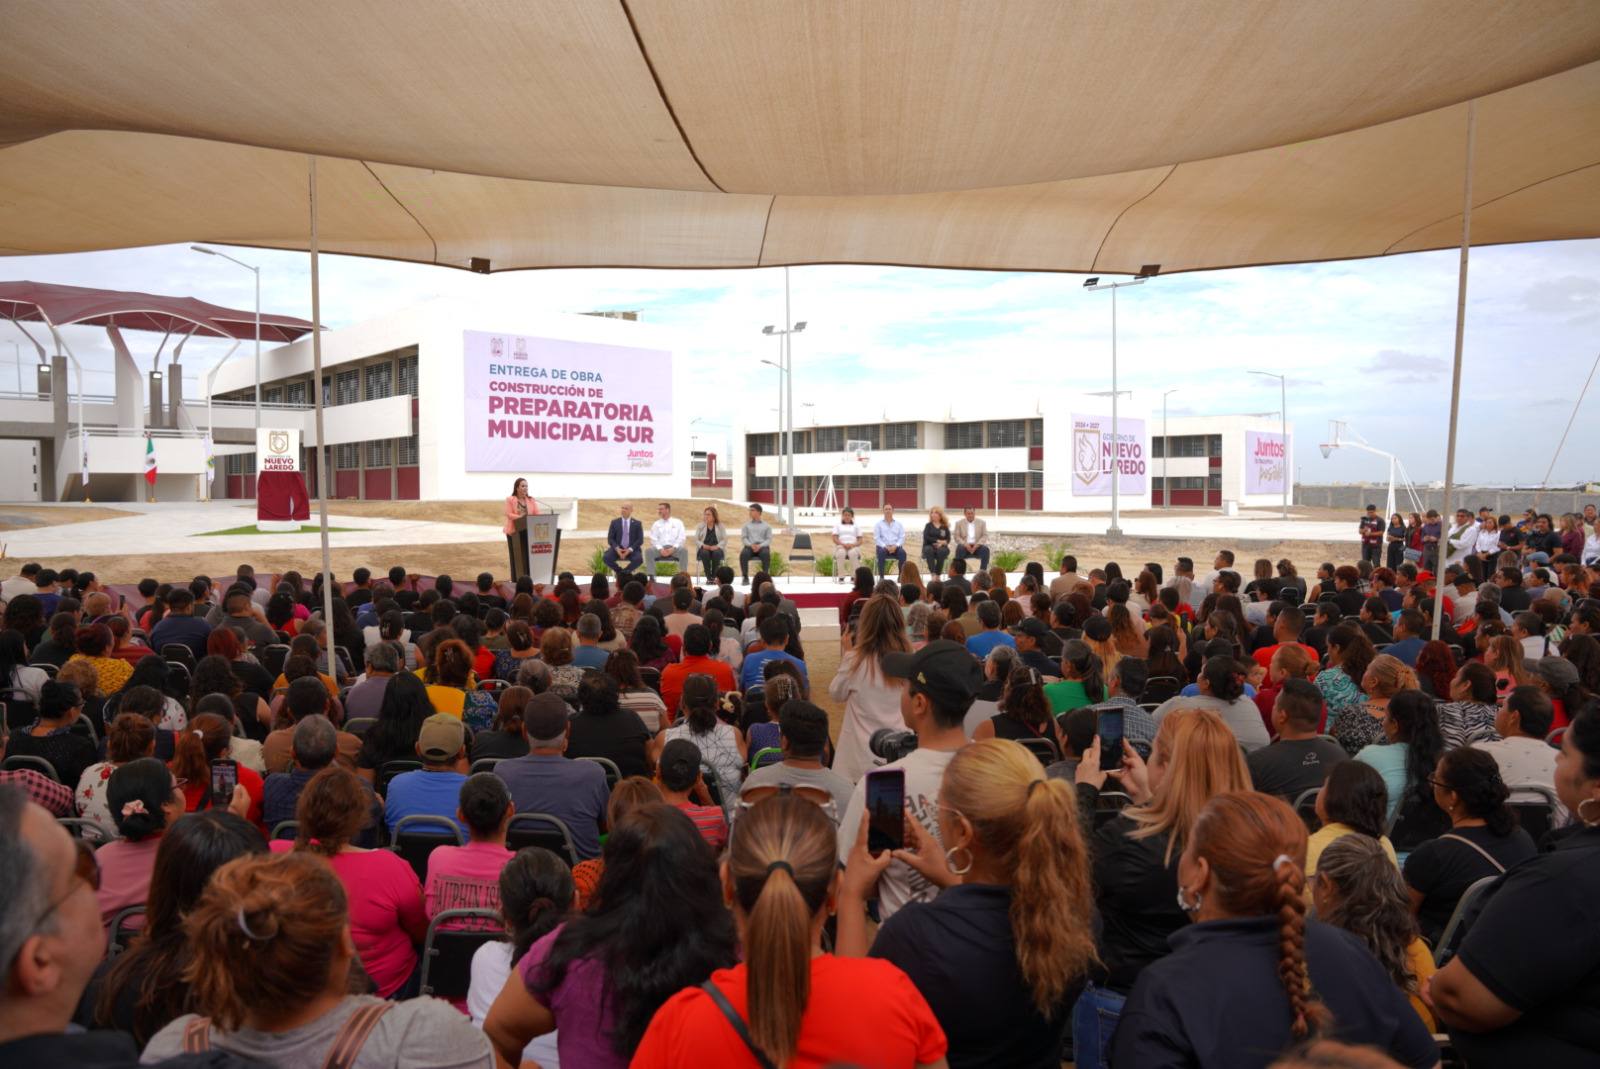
(149,460)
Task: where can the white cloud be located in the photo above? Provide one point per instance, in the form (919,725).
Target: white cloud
(1366,341)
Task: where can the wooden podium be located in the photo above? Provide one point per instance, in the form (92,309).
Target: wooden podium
(535,545)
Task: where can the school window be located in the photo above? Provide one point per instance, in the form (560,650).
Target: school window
(899,482)
(297,393)
(408,451)
(900,436)
(761,445)
(379,452)
(408,376)
(864,482)
(964,481)
(347,456)
(1008,433)
(963,435)
(1013,480)
(829,439)
(272,395)
(763,482)
(1036,433)
(872,433)
(347,388)
(380,381)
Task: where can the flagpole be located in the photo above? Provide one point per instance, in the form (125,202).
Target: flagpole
(322,456)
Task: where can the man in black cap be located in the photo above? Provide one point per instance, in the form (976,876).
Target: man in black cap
(942,679)
(1030,636)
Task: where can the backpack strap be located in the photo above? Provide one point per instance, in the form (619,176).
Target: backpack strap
(347,1044)
(1486,855)
(197,1036)
(738,1024)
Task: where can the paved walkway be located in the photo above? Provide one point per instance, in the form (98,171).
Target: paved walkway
(169,527)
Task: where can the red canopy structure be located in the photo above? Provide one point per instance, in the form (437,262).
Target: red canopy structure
(60,306)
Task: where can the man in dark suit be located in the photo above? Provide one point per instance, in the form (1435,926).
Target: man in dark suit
(624,544)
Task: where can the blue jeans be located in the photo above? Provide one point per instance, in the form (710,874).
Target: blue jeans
(899,555)
(1094,1022)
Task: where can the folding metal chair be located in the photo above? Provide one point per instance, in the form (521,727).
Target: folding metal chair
(1465,907)
(613,773)
(1305,805)
(121,935)
(29,761)
(541,829)
(447,952)
(413,844)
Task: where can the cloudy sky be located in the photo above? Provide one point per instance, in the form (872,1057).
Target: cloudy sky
(1365,341)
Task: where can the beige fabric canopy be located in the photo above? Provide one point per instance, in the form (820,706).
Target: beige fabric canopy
(1070,135)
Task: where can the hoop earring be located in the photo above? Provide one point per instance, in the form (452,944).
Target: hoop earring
(1185,906)
(949,860)
(1586,820)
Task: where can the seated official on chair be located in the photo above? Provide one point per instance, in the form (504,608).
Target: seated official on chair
(624,544)
(971,533)
(890,536)
(846,544)
(668,541)
(711,542)
(757,538)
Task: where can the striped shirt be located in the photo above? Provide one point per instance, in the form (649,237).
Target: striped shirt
(710,822)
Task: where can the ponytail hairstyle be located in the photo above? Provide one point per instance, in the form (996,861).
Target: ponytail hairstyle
(535,894)
(332,810)
(1224,678)
(266,932)
(1029,825)
(1256,847)
(782,859)
(204,740)
(136,794)
(1371,903)
(699,703)
(779,689)
(1416,721)
(1474,775)
(1390,676)
(513,703)
(1024,700)
(452,664)
(1081,660)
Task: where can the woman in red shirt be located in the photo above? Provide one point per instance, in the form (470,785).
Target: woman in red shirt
(208,738)
(803,1008)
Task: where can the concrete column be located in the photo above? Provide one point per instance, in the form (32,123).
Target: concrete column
(174,392)
(157,416)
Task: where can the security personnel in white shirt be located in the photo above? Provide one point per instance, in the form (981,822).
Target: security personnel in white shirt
(667,538)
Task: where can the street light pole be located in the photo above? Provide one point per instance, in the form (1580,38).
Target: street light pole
(257,272)
(1093,284)
(785,366)
(1166,451)
(1283,412)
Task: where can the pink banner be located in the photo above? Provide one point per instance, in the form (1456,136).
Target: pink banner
(1095,456)
(550,404)
(1265,462)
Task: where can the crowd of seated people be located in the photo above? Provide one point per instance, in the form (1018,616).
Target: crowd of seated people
(1305,791)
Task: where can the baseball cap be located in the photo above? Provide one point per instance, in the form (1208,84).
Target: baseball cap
(545,716)
(1032,626)
(949,674)
(441,738)
(1557,671)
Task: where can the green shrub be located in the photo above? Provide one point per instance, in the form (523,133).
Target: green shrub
(779,565)
(597,563)
(825,566)
(1054,553)
(1010,559)
(669,567)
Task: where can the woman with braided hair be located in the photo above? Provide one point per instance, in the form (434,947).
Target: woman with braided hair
(1251,976)
(789,1004)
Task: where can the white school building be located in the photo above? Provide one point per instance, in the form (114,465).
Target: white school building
(1050,454)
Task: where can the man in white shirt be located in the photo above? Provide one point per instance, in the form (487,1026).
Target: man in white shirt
(667,538)
(847,546)
(970,534)
(1460,538)
(941,680)
(21,583)
(1223,563)
(1465,603)
(1528,629)
(1525,759)
(890,536)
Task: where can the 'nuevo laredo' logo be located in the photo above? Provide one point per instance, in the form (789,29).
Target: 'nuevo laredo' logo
(521,352)
(278,442)
(641,458)
(1086,455)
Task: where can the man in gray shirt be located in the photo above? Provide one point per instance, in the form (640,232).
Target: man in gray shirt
(546,781)
(757,538)
(803,730)
(1301,759)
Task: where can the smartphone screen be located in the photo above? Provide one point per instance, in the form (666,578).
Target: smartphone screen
(886,805)
(224,778)
(1109,727)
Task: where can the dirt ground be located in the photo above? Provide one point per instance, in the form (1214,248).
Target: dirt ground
(24,517)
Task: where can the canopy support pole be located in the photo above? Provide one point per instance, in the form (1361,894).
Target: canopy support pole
(1455,375)
(322,454)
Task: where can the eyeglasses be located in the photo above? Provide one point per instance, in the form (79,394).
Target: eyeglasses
(85,867)
(1440,784)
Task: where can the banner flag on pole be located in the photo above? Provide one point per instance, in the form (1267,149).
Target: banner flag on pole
(211,462)
(149,459)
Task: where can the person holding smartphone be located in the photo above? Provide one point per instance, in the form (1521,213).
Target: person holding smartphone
(1014,873)
(941,681)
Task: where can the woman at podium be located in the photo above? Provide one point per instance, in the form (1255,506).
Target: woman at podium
(518,505)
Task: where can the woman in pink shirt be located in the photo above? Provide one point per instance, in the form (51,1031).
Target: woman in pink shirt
(468,877)
(143,798)
(386,912)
